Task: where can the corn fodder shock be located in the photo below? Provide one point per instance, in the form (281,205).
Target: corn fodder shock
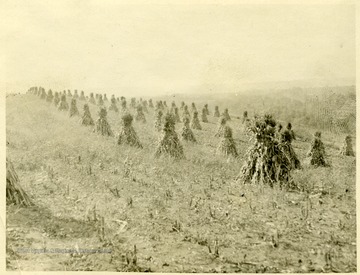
(86,118)
(270,159)
(195,123)
(169,143)
(63,105)
(102,125)
(127,134)
(317,151)
(227,144)
(14,193)
(186,132)
(73,108)
(346,149)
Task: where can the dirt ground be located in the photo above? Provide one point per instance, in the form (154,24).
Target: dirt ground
(95,201)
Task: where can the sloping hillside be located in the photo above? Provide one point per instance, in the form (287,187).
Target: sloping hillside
(189,215)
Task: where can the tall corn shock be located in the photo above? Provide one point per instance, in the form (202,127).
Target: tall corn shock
(271,158)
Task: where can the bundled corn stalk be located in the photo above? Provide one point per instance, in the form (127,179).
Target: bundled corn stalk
(92,99)
(226,115)
(176,115)
(102,125)
(69,93)
(193,108)
(50,96)
(56,99)
(289,128)
(133,102)
(204,115)
(43,94)
(195,123)
(169,142)
(245,117)
(216,113)
(286,138)
(151,105)
(82,96)
(123,105)
(165,104)
(317,151)
(173,106)
(186,132)
(227,144)
(182,105)
(346,149)
(73,108)
(221,127)
(269,160)
(33,90)
(14,193)
(144,105)
(86,118)
(206,109)
(76,96)
(159,106)
(127,134)
(140,114)
(100,101)
(278,132)
(39,91)
(186,113)
(105,98)
(158,120)
(165,107)
(63,105)
(113,106)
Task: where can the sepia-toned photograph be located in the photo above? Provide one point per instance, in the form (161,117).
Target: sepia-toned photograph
(179,136)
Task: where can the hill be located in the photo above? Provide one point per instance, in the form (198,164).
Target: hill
(95,200)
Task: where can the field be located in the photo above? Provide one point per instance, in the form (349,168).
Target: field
(187,215)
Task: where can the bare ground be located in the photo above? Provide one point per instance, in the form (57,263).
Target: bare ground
(183,216)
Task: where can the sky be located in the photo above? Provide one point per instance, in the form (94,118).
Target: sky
(112,47)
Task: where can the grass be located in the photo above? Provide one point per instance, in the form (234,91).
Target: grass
(177,213)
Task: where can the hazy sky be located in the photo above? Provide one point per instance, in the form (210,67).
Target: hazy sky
(124,49)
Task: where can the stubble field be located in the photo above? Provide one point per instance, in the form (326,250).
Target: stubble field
(187,215)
